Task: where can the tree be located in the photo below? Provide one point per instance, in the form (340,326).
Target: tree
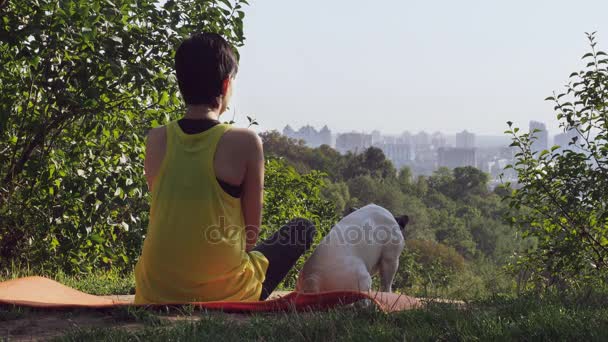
(421,188)
(81,82)
(337,194)
(564,192)
(376,190)
(405,179)
(452,231)
(302,157)
(469,181)
(293,150)
(326,158)
(460,182)
(371,162)
(442,180)
(502,190)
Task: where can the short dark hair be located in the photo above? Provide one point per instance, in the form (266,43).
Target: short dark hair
(202,63)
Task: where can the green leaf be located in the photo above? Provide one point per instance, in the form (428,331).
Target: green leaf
(96,238)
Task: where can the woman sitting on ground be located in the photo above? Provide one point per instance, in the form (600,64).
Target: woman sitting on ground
(206,180)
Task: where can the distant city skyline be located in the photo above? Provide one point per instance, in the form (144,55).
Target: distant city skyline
(462,139)
(425,152)
(414,65)
(422,152)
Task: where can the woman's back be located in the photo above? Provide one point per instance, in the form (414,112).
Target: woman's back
(195,249)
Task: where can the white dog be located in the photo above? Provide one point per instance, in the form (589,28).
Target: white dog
(367,241)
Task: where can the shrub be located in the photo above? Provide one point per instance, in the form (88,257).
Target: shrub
(428,265)
(563,190)
(288,195)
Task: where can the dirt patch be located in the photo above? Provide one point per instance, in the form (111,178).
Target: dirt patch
(48,324)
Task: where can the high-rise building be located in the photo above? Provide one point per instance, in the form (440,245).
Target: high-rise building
(456,157)
(325,136)
(376,137)
(564,140)
(422,139)
(353,142)
(406,138)
(398,153)
(541,137)
(465,139)
(438,140)
(310,135)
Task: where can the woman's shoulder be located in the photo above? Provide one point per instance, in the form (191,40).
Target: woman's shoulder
(157,132)
(243,138)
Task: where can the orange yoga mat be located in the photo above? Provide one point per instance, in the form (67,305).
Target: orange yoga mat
(42,292)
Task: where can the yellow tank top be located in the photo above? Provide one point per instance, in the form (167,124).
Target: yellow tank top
(194,250)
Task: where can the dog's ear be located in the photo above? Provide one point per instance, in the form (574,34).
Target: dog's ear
(402,221)
(350,210)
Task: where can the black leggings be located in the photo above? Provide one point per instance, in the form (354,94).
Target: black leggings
(283,249)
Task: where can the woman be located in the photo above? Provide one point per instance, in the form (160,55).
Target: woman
(207,180)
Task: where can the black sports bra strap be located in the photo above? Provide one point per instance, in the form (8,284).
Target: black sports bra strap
(195,126)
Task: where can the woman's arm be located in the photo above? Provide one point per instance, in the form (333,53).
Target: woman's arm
(155,152)
(253,187)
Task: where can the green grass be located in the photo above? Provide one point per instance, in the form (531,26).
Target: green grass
(525,319)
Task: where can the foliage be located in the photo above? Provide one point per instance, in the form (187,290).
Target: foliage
(288,195)
(460,182)
(292,150)
(563,190)
(428,263)
(81,82)
(372,162)
(339,195)
(366,189)
(405,179)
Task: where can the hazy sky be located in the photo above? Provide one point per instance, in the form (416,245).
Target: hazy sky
(411,65)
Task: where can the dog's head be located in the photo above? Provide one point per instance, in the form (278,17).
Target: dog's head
(350,210)
(402,220)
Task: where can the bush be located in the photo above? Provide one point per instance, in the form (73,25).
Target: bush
(427,266)
(562,191)
(289,195)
